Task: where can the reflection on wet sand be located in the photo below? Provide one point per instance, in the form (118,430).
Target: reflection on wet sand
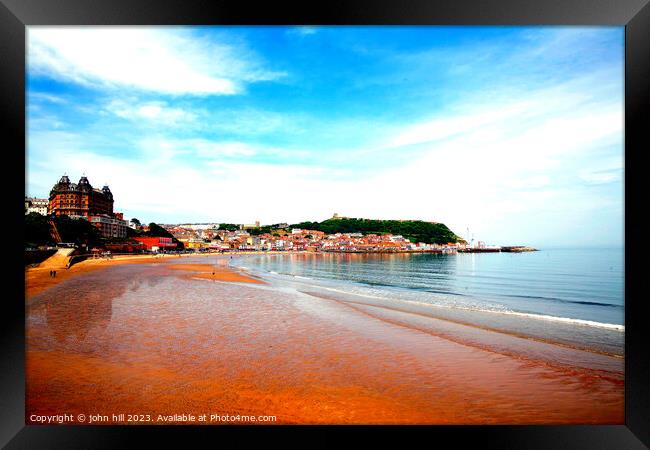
(217,272)
(81,306)
(93,309)
(145,340)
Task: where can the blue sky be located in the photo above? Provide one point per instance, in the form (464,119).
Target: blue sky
(514,132)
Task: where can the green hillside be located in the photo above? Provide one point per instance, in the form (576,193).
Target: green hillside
(415,230)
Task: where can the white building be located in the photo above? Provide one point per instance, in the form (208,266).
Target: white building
(109,226)
(248,226)
(37,205)
(199,226)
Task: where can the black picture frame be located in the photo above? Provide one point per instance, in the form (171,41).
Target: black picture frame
(16,15)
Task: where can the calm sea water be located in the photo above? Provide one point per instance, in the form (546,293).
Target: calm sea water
(580,288)
(584,284)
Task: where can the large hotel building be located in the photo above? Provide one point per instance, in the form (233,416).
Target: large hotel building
(79,199)
(82,201)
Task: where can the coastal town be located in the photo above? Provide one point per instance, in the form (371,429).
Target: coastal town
(208,237)
(82,202)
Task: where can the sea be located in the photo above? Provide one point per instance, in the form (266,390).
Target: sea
(569,296)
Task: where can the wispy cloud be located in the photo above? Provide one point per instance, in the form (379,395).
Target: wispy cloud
(43,96)
(156,111)
(164,60)
(303,30)
(596,177)
(194,148)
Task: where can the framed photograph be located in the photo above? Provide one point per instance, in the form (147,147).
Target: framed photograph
(240,220)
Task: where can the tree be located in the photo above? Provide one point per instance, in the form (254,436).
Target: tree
(263,230)
(79,231)
(158,231)
(228,226)
(37,229)
(135,222)
(130,232)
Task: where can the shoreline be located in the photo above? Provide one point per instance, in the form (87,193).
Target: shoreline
(570,331)
(37,279)
(220,272)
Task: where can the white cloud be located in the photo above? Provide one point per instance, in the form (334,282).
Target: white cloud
(205,148)
(164,60)
(251,121)
(303,30)
(46,97)
(444,127)
(208,153)
(600,176)
(157,112)
(237,121)
(193,150)
(532,182)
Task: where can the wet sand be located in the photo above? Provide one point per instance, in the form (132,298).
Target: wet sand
(151,339)
(38,279)
(214,272)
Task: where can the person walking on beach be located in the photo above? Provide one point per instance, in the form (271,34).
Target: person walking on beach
(51,273)
(54,273)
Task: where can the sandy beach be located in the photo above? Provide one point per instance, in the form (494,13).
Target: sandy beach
(152,336)
(37,279)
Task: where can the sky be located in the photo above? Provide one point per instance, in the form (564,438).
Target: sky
(513,132)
